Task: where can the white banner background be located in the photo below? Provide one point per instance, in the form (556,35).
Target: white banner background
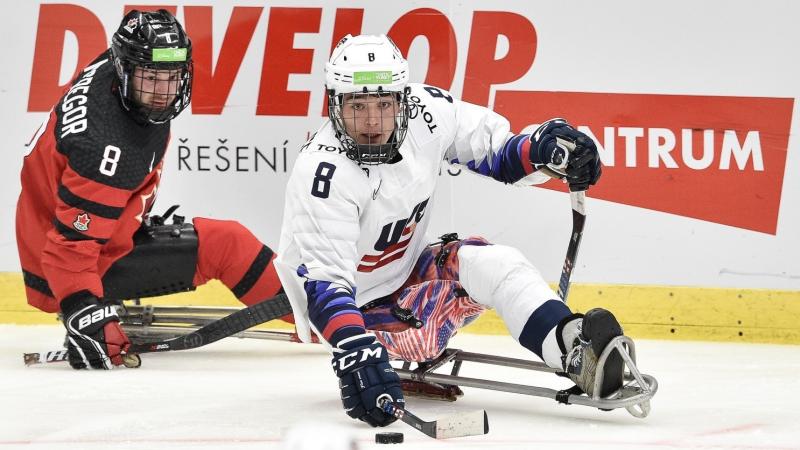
(718,48)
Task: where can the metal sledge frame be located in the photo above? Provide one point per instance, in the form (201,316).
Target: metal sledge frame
(634,396)
(141,322)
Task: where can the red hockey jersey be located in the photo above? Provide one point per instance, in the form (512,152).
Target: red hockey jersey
(91,176)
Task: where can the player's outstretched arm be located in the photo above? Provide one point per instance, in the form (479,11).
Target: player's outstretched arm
(324,196)
(360,362)
(482,143)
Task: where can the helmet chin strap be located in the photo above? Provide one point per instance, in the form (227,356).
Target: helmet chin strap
(374,154)
(370,154)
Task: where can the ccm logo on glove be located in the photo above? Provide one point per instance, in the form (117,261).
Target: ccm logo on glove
(96,316)
(347,361)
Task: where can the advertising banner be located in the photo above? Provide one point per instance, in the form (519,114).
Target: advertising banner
(693,107)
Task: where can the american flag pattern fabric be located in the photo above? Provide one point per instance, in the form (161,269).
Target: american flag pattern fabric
(434,295)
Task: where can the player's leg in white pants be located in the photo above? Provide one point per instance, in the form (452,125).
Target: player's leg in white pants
(500,277)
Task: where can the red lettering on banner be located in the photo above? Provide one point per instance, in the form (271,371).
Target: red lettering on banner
(347,21)
(482,70)
(719,159)
(441,38)
(54,22)
(212,83)
(281,59)
(128,8)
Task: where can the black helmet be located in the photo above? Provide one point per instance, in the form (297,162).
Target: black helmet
(153,59)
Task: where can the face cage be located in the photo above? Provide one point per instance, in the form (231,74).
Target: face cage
(135,90)
(370,154)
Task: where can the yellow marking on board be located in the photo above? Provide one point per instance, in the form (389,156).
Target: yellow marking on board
(650,312)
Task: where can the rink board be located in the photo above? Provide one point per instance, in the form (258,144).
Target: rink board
(651,312)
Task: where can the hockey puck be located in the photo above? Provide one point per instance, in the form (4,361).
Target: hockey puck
(389,438)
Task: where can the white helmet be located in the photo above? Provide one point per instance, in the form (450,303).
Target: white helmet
(367,65)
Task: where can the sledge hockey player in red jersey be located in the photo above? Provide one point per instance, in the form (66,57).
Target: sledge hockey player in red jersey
(354,258)
(83,228)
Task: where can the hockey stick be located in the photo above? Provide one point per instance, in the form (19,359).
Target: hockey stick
(229,325)
(578,200)
(473,423)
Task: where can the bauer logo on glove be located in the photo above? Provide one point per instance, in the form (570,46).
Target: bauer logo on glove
(96,316)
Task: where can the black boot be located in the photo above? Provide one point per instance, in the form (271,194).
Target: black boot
(582,340)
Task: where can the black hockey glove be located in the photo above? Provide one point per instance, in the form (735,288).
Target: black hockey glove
(567,152)
(95,339)
(366,377)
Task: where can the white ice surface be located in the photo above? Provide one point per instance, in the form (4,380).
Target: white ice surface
(245,394)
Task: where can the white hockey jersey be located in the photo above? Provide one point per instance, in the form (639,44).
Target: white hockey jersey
(363,227)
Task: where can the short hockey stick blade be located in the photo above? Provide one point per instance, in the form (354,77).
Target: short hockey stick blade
(472,423)
(45,357)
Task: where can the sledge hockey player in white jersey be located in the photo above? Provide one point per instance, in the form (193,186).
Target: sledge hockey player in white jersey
(354,258)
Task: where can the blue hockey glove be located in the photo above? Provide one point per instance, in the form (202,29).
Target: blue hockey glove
(567,152)
(366,377)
